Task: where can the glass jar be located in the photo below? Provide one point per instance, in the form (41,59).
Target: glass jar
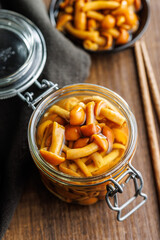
(89,190)
(22,53)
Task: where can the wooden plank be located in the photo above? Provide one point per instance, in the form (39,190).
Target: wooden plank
(40,215)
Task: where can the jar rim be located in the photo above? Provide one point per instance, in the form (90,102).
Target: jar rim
(121,103)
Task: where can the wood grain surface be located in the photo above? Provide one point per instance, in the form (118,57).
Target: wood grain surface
(40,215)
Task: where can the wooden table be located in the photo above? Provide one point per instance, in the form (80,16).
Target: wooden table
(40,215)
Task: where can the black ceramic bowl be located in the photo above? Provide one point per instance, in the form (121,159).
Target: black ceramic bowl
(143,14)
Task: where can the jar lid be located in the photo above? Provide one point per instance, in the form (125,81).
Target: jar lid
(22,53)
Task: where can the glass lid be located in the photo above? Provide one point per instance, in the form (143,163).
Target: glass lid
(22,53)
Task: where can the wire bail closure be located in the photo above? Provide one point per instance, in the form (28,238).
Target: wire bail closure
(28,96)
(115,187)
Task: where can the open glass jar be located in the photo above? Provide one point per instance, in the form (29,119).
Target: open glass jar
(88,190)
(22,53)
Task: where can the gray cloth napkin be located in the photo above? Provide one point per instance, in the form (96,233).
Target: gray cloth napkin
(65,64)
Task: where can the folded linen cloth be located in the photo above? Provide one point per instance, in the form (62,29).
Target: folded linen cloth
(65,64)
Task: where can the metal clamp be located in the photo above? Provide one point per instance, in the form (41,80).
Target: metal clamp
(28,96)
(115,187)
